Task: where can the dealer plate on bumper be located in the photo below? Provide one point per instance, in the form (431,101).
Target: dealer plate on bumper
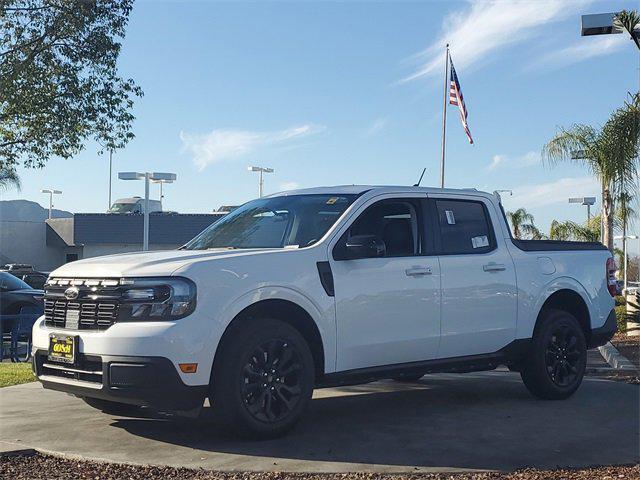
(62,348)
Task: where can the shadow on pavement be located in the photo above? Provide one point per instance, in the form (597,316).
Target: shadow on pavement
(472,421)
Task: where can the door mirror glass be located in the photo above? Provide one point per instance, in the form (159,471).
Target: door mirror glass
(365,246)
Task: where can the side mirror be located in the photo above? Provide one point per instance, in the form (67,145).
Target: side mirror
(365,246)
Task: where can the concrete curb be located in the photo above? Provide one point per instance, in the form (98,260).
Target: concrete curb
(615,359)
(8,449)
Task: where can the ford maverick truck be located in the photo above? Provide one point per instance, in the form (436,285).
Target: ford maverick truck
(324,287)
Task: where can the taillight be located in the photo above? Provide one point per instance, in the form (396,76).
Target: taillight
(612,284)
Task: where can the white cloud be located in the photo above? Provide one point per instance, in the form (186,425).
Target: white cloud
(496,161)
(377,126)
(527,160)
(227,144)
(284,186)
(484,27)
(581,50)
(559,191)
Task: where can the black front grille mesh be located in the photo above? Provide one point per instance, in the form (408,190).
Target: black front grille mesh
(90,315)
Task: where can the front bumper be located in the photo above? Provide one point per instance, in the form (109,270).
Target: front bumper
(146,381)
(601,335)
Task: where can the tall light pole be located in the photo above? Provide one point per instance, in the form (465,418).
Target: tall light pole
(51,193)
(588,201)
(624,239)
(146,176)
(110,175)
(262,170)
(161,182)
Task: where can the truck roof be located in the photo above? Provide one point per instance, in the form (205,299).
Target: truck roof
(359,189)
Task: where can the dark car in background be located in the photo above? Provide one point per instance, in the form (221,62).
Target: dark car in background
(16,294)
(26,273)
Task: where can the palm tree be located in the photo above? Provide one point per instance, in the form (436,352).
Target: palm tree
(610,153)
(625,215)
(628,20)
(521,223)
(568,230)
(8,178)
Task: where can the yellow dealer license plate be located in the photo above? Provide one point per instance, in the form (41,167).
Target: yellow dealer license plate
(62,348)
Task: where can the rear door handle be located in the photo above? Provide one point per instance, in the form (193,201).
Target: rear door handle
(418,271)
(493,267)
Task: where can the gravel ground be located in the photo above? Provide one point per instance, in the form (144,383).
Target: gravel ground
(38,466)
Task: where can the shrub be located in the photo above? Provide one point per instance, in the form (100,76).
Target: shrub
(620,300)
(621,318)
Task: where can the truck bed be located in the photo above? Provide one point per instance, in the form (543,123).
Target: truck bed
(555,245)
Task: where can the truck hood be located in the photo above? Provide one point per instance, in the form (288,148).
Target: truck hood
(144,264)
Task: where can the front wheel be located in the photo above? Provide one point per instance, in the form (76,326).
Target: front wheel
(263,378)
(558,358)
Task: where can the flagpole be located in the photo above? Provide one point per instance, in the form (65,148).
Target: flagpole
(444,114)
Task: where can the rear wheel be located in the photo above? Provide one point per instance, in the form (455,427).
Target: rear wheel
(263,378)
(557,361)
(113,408)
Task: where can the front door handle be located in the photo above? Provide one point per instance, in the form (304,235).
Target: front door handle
(493,267)
(418,271)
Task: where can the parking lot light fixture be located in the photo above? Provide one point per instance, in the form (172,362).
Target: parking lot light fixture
(51,193)
(624,239)
(588,201)
(261,170)
(147,176)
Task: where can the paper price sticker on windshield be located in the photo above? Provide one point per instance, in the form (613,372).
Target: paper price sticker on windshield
(479,242)
(332,200)
(451,219)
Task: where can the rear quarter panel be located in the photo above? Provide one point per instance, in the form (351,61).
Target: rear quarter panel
(540,274)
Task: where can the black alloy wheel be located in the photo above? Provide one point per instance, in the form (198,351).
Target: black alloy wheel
(557,359)
(272,380)
(562,357)
(262,378)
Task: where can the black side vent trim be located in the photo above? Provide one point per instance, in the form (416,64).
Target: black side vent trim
(326,277)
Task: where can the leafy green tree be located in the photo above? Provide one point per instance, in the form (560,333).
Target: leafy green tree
(9,178)
(610,153)
(59,84)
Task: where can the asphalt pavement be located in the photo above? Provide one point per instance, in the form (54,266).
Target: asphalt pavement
(444,422)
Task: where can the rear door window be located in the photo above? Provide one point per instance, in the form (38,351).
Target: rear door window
(465,227)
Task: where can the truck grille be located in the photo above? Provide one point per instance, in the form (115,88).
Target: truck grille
(90,315)
(92,303)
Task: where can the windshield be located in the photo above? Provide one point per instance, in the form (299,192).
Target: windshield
(8,283)
(292,221)
(123,207)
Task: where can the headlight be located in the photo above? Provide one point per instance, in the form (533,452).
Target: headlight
(152,299)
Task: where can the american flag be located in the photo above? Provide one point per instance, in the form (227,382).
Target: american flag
(455,98)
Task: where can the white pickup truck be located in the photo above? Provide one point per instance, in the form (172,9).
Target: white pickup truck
(324,287)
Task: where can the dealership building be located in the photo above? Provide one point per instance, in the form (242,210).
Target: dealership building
(28,236)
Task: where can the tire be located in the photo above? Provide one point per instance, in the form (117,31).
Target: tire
(555,365)
(262,379)
(408,378)
(113,408)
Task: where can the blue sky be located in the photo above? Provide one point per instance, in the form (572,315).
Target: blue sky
(351,92)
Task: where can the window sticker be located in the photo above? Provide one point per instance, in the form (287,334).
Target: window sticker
(451,219)
(479,242)
(332,200)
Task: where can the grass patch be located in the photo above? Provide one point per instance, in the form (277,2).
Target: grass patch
(15,374)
